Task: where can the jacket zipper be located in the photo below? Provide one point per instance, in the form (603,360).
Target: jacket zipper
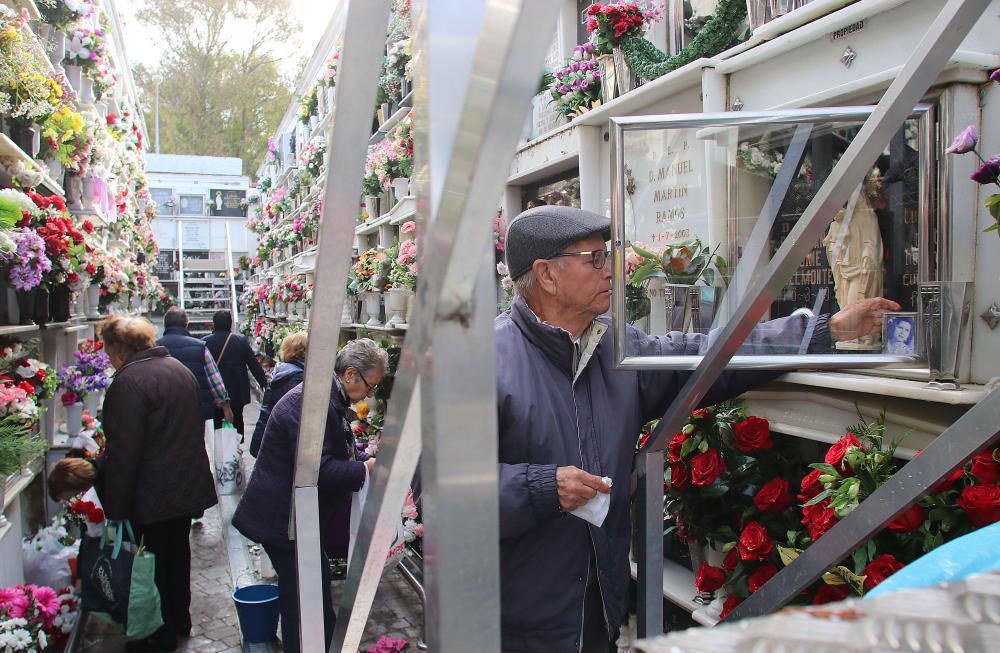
(593,546)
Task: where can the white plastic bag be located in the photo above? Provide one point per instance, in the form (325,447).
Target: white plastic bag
(47,563)
(228,459)
(357,507)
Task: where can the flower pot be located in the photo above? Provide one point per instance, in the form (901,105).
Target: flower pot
(401,186)
(57,47)
(373,306)
(92,190)
(55,170)
(78,306)
(347,314)
(313,121)
(609,88)
(26,306)
(74,416)
(92,402)
(411,302)
(680,307)
(40,310)
(395,302)
(371,206)
(86,91)
(93,301)
(27,138)
(73,75)
(624,77)
(10,311)
(329,98)
(943,319)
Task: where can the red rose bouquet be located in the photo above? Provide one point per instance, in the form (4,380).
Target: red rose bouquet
(609,24)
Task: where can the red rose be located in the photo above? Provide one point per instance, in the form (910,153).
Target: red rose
(731,602)
(40,375)
(27,387)
(982,503)
(594,9)
(88,226)
(835,455)
(680,479)
(909,521)
(946,484)
(706,467)
(732,559)
(709,578)
(755,543)
(879,569)
(774,496)
(96,515)
(753,434)
(702,413)
(91,269)
(985,467)
(674,447)
(819,518)
(760,576)
(830,593)
(591,25)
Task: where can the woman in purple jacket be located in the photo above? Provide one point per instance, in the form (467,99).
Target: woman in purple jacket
(263,512)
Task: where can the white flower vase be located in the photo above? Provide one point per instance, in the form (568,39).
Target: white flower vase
(372,305)
(313,121)
(329,98)
(93,302)
(92,402)
(411,302)
(396,302)
(79,304)
(74,415)
(87,96)
(347,315)
(401,187)
(136,303)
(371,206)
(74,74)
(91,192)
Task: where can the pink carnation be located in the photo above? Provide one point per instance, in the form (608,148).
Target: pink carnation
(407,252)
(408,227)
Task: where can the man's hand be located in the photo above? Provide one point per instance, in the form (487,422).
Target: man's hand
(227,412)
(369,464)
(576,487)
(860,318)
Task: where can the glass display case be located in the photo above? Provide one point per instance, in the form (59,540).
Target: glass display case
(701,204)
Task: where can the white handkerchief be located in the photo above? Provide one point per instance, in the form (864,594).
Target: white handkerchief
(596,509)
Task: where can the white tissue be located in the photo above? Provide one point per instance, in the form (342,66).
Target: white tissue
(596,509)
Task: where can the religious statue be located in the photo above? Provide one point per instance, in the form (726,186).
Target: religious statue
(854,250)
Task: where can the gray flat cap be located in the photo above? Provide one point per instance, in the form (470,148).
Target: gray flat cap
(544,231)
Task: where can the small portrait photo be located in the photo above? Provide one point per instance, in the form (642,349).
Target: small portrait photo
(899,334)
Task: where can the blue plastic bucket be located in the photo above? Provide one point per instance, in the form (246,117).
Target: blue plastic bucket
(257,607)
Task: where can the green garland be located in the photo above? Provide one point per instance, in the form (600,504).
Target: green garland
(720,32)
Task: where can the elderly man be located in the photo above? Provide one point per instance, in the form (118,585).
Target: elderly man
(567,418)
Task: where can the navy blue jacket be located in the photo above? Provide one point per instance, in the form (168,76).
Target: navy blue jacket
(191,352)
(285,377)
(237,358)
(555,411)
(264,509)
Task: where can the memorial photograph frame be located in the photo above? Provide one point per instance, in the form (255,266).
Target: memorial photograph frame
(895,339)
(922,254)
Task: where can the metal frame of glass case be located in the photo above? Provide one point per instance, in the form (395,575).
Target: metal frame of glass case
(927,266)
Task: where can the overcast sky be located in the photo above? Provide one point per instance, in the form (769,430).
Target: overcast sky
(313,16)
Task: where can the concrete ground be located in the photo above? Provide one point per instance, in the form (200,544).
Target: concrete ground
(217,564)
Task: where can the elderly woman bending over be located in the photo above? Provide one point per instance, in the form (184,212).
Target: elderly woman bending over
(263,512)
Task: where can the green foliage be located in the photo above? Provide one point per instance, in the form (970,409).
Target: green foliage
(17,447)
(220,96)
(10,213)
(719,33)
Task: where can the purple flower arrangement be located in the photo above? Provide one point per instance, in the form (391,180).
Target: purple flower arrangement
(30,261)
(94,367)
(577,85)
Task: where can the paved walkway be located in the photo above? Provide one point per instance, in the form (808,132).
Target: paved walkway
(397,611)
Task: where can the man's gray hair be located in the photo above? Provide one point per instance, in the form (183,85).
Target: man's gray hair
(363,355)
(524,285)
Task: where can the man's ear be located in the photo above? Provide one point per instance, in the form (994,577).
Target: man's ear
(545,277)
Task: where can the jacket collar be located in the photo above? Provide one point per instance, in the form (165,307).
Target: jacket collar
(144,355)
(555,342)
(176,331)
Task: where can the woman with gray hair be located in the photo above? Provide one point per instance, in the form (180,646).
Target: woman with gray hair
(264,509)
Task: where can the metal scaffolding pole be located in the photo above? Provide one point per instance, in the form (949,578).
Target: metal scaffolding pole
(918,73)
(357,78)
(461,168)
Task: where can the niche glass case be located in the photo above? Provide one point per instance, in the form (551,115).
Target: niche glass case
(702,202)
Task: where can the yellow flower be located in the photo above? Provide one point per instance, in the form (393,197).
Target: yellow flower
(361,408)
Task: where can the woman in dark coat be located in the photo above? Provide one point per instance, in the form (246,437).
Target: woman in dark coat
(155,444)
(287,375)
(263,512)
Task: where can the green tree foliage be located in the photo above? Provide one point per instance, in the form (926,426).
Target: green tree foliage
(222,91)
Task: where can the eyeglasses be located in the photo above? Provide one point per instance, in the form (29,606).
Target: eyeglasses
(598,257)
(371,388)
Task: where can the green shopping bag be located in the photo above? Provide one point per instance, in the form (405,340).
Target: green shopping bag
(118,581)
